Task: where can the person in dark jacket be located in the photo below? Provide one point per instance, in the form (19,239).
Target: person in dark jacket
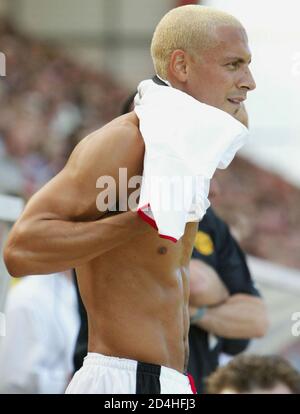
(226,308)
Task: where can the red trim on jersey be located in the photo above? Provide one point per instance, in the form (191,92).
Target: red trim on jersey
(192,383)
(185,2)
(152,223)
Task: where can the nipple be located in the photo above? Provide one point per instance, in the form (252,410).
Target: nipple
(162,250)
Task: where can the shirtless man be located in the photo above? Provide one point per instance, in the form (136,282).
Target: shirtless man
(134,284)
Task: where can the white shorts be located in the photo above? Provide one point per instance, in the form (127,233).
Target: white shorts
(109,375)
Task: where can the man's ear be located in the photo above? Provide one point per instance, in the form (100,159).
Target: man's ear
(178,65)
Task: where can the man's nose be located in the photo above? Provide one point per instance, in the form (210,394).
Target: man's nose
(247,81)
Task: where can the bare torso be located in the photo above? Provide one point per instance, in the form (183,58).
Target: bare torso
(136,297)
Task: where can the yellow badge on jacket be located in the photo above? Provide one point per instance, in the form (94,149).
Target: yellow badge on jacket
(204,243)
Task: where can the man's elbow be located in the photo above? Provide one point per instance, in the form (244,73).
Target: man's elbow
(14,256)
(12,263)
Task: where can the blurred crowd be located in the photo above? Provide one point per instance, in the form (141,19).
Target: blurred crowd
(48,103)
(262,210)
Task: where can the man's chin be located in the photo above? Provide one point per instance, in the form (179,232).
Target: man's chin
(236,112)
(231,111)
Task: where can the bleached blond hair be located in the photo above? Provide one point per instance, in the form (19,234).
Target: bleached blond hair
(190,28)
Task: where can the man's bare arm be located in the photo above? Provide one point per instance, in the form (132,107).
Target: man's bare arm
(206,287)
(61,227)
(241,316)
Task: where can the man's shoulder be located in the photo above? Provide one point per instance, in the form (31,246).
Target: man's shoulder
(120,136)
(121,131)
(214,226)
(119,141)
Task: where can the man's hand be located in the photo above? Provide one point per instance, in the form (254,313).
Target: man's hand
(241,316)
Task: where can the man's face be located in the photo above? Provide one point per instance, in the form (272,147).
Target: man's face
(221,76)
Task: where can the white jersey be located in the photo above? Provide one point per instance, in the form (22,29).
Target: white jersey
(42,323)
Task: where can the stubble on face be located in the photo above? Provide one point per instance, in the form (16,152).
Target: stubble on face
(215,73)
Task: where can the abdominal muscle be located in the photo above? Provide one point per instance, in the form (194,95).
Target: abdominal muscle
(137,300)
